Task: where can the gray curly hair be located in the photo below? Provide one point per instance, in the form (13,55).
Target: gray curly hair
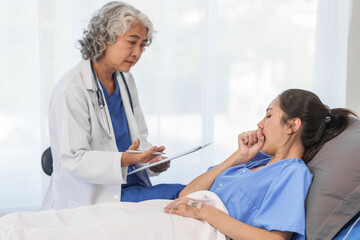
(114,18)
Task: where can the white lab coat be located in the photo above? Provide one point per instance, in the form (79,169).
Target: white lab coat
(86,161)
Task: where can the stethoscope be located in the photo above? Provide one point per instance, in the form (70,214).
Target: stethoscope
(101,100)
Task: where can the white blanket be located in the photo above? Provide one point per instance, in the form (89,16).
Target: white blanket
(144,220)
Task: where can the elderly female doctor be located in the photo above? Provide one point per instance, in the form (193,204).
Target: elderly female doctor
(95,117)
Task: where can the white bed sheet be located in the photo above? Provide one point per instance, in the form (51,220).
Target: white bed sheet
(145,220)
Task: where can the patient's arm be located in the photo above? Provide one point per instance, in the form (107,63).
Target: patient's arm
(205,180)
(224,223)
(238,230)
(250,143)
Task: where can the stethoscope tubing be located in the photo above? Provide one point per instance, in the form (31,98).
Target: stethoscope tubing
(101,100)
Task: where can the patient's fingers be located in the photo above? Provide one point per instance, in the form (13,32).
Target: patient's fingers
(248,139)
(260,137)
(175,203)
(185,207)
(182,209)
(243,139)
(252,138)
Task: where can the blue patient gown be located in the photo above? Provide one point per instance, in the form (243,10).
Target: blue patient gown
(272,198)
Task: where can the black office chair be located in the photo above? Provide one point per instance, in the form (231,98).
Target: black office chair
(47,161)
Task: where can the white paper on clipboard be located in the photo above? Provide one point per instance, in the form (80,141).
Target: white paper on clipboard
(169,158)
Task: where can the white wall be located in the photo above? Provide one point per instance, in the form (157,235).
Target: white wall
(353,59)
(332,30)
(337,56)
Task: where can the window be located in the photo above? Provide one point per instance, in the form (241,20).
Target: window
(211,71)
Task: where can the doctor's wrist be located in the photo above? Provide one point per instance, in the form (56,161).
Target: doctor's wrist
(126,160)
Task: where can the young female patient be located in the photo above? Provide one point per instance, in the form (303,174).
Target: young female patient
(264,194)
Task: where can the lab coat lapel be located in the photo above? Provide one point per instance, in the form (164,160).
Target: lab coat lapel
(98,113)
(88,78)
(89,83)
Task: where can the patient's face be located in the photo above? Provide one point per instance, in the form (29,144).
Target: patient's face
(274,129)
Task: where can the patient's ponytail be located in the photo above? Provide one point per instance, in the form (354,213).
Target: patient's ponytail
(319,123)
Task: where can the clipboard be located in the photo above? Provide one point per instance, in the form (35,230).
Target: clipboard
(195,149)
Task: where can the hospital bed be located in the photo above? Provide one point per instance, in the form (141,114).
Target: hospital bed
(333,201)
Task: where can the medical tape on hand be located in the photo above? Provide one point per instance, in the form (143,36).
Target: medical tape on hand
(192,203)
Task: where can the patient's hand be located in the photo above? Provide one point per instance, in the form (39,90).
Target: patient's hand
(249,143)
(187,207)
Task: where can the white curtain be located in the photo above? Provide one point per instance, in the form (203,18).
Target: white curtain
(20,172)
(330,76)
(353,60)
(215,66)
(210,73)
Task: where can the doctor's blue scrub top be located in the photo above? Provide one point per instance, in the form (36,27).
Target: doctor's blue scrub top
(272,198)
(137,188)
(121,128)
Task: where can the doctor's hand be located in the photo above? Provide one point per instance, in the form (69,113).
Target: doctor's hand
(144,157)
(161,167)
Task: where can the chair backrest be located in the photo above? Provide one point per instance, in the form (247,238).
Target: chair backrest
(47,161)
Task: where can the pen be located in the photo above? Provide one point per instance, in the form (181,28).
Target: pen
(140,151)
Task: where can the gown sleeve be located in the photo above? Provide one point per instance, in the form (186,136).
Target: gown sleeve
(283,206)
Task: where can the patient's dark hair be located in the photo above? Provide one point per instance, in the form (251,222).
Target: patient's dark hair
(319,123)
